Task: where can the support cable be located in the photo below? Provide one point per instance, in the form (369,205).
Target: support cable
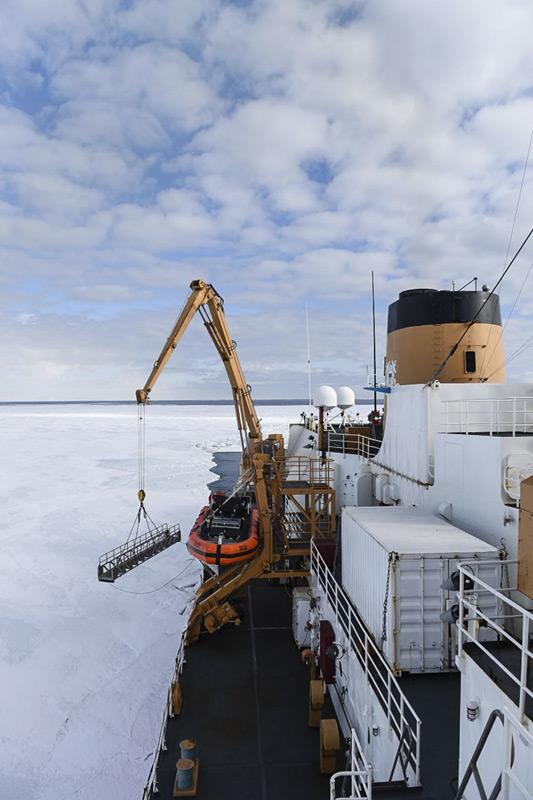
(480,309)
(524,172)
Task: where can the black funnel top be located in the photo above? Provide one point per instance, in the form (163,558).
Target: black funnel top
(437,307)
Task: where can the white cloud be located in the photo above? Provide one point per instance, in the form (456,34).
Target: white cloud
(281,149)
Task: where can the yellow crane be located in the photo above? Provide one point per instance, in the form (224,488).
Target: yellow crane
(205,300)
(284,539)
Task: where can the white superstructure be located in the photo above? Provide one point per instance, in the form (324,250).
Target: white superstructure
(441,488)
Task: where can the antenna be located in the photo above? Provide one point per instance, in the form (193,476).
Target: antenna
(374,342)
(308,358)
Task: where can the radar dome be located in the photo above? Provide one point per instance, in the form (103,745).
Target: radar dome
(325,397)
(345,397)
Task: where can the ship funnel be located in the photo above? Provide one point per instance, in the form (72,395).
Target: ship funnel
(424,325)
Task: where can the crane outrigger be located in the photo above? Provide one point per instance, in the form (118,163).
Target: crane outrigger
(294,499)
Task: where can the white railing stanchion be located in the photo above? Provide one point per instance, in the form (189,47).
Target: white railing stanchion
(460,625)
(524,664)
(402,718)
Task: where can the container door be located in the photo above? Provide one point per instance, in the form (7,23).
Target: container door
(419,630)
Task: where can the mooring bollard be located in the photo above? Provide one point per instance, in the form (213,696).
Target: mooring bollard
(184,774)
(188,749)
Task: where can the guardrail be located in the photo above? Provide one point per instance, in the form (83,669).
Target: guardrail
(489,416)
(359,776)
(151,788)
(401,716)
(472,618)
(352,443)
(303,469)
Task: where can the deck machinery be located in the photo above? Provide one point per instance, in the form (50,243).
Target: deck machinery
(294,497)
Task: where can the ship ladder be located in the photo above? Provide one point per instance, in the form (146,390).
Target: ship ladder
(472,768)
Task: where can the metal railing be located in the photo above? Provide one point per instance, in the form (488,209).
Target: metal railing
(305,470)
(125,557)
(489,416)
(510,779)
(472,618)
(507,779)
(401,716)
(359,777)
(151,788)
(352,443)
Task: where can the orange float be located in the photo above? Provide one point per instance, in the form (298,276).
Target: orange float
(225,532)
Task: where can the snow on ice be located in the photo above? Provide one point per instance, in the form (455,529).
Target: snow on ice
(85,666)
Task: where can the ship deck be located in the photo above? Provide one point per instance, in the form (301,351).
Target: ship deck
(245,702)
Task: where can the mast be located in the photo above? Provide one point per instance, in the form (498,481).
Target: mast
(374,343)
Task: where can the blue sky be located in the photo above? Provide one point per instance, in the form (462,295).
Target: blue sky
(279,149)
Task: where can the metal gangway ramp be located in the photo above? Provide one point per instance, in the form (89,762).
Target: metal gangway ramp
(127,556)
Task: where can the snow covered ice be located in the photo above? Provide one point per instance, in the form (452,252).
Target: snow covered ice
(85,666)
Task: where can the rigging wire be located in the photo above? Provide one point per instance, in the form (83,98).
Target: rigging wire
(528,341)
(151,591)
(480,309)
(519,198)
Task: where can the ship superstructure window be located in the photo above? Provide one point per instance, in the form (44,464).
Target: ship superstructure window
(470,361)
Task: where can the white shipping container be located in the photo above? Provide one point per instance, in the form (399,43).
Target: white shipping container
(401,595)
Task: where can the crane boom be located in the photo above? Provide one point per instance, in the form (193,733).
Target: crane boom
(205,299)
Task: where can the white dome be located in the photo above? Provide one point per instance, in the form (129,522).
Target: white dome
(325,397)
(345,397)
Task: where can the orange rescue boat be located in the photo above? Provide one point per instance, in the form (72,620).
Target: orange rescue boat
(226,531)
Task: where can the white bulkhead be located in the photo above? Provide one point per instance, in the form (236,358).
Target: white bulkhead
(301,603)
(394,561)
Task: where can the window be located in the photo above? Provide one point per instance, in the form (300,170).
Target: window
(470,361)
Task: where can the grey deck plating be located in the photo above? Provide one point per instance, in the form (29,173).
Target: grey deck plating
(245,701)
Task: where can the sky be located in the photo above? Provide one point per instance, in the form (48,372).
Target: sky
(280,149)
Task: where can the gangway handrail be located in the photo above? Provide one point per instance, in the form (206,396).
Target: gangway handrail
(151,786)
(360,774)
(507,778)
(400,712)
(127,556)
(470,613)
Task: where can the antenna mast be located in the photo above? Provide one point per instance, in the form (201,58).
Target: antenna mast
(308,358)
(374,342)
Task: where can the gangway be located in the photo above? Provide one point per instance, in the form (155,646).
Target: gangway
(125,557)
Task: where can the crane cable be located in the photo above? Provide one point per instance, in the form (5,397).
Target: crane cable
(515,217)
(142,513)
(480,309)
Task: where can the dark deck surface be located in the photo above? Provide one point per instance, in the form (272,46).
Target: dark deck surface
(435,698)
(245,701)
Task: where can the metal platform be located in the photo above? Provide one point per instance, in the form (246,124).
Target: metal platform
(129,555)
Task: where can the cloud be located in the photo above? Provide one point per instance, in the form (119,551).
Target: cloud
(280,149)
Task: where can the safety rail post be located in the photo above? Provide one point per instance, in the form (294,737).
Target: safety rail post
(524,665)
(461,613)
(514,416)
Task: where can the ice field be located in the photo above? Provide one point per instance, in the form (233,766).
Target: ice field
(85,666)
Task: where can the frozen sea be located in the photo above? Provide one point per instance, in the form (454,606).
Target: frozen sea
(85,666)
